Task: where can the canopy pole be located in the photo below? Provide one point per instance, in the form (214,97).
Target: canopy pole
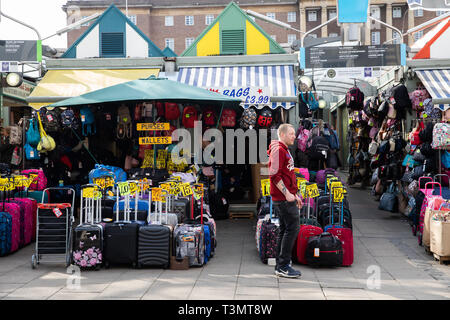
(220,115)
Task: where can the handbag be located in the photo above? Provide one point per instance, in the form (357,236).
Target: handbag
(409,161)
(373,148)
(418,156)
(32,135)
(441,136)
(445,159)
(31,153)
(16,158)
(46,143)
(389,199)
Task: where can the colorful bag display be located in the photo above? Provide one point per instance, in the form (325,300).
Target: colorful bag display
(32,135)
(441,136)
(190,115)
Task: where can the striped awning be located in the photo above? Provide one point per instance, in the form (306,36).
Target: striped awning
(437,82)
(278,79)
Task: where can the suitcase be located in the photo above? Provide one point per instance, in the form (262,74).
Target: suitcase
(181,208)
(155,240)
(345,235)
(130,211)
(26,206)
(308,227)
(268,241)
(189,241)
(17,232)
(88,235)
(5,233)
(324,250)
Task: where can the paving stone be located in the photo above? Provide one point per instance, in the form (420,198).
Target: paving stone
(73,296)
(126,289)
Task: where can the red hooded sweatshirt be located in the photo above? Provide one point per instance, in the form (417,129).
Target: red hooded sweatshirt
(281,167)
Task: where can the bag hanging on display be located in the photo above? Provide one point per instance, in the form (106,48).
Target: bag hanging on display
(47,143)
(248,119)
(31,153)
(15,135)
(389,200)
(430,111)
(87,121)
(354,99)
(414,135)
(69,120)
(16,158)
(418,97)
(228,118)
(51,120)
(124,127)
(190,115)
(32,135)
(392,113)
(409,161)
(172,111)
(209,118)
(445,159)
(441,136)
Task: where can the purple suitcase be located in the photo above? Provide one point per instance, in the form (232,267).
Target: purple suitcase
(27,206)
(14,210)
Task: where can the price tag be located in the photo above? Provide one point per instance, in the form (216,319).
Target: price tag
(198,190)
(160,164)
(336,184)
(34,177)
(265,187)
(312,191)
(338,194)
(57,212)
(19,181)
(27,182)
(330,179)
(133,187)
(175,189)
(124,188)
(88,192)
(316,252)
(165,186)
(104,182)
(157,195)
(186,189)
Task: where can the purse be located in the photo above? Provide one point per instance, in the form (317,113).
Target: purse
(32,134)
(389,199)
(373,148)
(46,143)
(409,161)
(31,153)
(16,158)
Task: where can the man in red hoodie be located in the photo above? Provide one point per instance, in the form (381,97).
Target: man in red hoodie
(283,189)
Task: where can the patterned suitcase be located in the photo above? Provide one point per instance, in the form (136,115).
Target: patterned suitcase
(5,233)
(16,229)
(26,205)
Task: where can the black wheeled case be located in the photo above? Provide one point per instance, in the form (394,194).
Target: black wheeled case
(120,243)
(181,207)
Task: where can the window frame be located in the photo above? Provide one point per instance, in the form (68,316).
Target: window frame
(310,12)
(292,14)
(135,19)
(329,13)
(376,9)
(416,13)
(186,41)
(268,15)
(165,21)
(396,9)
(173,43)
(291,35)
(372,38)
(186,20)
(206,19)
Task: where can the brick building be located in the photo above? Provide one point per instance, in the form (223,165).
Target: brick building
(177,23)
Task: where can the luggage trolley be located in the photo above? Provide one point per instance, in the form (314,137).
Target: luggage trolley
(54,230)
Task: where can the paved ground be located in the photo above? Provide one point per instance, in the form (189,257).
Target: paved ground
(382,241)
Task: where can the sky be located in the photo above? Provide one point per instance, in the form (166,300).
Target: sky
(44,15)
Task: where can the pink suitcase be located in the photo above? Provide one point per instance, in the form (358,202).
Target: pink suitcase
(41,182)
(27,206)
(14,210)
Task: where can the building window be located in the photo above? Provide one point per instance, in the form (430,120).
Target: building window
(418,35)
(333,34)
(375,12)
(312,15)
(292,38)
(133,19)
(170,43)
(209,19)
(189,42)
(418,13)
(169,21)
(375,38)
(85,24)
(331,14)
(274,37)
(270,15)
(292,16)
(189,20)
(396,37)
(440,13)
(312,35)
(396,12)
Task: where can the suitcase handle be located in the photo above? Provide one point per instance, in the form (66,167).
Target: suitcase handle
(425,177)
(433,183)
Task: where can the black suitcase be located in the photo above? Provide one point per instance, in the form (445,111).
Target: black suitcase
(141,216)
(88,237)
(154,246)
(182,209)
(120,243)
(324,250)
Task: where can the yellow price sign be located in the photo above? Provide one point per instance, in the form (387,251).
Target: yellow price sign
(186,189)
(124,188)
(312,191)
(301,184)
(265,187)
(88,192)
(27,182)
(104,182)
(19,181)
(165,186)
(160,164)
(330,180)
(155,140)
(157,194)
(198,189)
(336,184)
(338,194)
(134,187)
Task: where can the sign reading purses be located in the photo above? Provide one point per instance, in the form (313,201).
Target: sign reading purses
(154,127)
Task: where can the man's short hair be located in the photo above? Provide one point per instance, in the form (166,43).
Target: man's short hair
(284,128)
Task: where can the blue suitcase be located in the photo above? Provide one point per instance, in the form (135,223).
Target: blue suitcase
(5,233)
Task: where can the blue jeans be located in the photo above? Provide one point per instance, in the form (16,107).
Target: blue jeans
(289,229)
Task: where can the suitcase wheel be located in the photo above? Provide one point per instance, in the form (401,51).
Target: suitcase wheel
(33,262)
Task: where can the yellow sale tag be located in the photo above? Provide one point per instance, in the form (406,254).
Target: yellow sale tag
(133,187)
(336,184)
(312,191)
(157,195)
(104,182)
(88,192)
(331,179)
(124,188)
(186,189)
(265,187)
(338,195)
(153,126)
(27,182)
(198,190)
(165,186)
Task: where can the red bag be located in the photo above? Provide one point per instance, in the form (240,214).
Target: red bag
(228,118)
(306,231)
(414,135)
(172,111)
(209,118)
(346,236)
(190,115)
(160,109)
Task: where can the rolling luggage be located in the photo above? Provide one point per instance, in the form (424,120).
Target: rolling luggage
(189,241)
(308,227)
(169,218)
(17,228)
(344,234)
(324,250)
(270,229)
(26,207)
(5,233)
(181,208)
(88,235)
(155,240)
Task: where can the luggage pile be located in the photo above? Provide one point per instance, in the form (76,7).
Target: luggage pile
(325,237)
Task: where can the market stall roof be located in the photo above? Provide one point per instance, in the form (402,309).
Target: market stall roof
(437,83)
(148,89)
(58,85)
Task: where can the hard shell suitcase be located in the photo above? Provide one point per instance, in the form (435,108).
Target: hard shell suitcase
(5,233)
(26,207)
(154,240)
(324,250)
(17,234)
(88,235)
(181,208)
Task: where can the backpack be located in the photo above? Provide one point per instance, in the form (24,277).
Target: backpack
(441,136)
(190,115)
(399,97)
(319,144)
(302,138)
(265,118)
(87,121)
(248,119)
(69,120)
(303,110)
(430,110)
(332,138)
(160,110)
(354,99)
(50,120)
(310,100)
(417,98)
(172,111)
(228,118)
(33,136)
(209,118)
(15,135)
(124,129)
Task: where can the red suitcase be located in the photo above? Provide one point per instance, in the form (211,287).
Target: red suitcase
(306,231)
(345,235)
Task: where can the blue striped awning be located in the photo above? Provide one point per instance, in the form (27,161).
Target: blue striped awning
(279,79)
(437,82)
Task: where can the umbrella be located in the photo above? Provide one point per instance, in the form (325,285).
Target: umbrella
(149,89)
